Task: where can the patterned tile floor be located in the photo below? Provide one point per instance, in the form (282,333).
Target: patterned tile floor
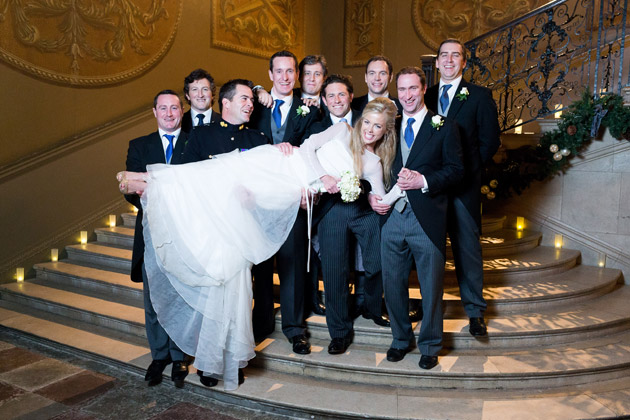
(38,381)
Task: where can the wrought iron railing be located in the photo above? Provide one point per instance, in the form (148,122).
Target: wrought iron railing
(541,62)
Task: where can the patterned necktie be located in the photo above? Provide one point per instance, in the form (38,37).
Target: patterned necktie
(444,98)
(200,118)
(409,132)
(169,148)
(277,114)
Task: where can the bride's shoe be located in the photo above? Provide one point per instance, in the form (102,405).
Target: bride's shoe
(393,195)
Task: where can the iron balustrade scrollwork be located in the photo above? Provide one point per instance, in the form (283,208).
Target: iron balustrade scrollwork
(541,62)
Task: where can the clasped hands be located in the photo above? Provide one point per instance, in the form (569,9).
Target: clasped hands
(407,180)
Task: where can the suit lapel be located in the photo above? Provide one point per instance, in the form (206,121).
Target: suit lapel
(424,135)
(179,147)
(457,104)
(290,128)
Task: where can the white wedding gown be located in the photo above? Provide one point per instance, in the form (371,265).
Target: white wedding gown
(206,223)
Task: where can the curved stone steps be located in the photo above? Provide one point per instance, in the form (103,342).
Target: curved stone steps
(63,273)
(129,220)
(504,242)
(119,235)
(590,318)
(534,368)
(102,255)
(491,223)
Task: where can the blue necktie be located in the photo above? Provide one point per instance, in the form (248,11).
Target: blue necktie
(169,148)
(444,98)
(200,118)
(343,120)
(277,114)
(409,132)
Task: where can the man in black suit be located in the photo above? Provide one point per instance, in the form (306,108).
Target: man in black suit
(475,112)
(288,122)
(199,90)
(378,74)
(163,146)
(428,162)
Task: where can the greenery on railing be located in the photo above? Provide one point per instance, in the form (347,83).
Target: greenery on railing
(577,127)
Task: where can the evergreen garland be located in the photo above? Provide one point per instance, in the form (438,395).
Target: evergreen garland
(576,129)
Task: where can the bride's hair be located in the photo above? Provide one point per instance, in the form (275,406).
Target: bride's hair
(385,148)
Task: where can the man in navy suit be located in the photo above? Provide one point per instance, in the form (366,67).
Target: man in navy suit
(475,112)
(163,146)
(199,90)
(287,121)
(378,74)
(428,162)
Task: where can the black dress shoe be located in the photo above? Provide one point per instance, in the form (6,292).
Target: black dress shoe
(179,373)
(300,344)
(396,355)
(318,307)
(382,320)
(415,315)
(478,327)
(208,380)
(428,362)
(154,371)
(338,345)
(241,376)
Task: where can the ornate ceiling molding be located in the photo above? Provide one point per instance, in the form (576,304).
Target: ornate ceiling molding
(85,43)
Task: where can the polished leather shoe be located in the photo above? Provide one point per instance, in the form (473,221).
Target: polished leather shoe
(154,371)
(396,355)
(241,376)
(318,307)
(210,381)
(338,345)
(300,344)
(415,315)
(179,373)
(478,327)
(428,362)
(382,320)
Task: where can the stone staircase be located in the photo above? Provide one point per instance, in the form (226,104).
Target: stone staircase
(558,343)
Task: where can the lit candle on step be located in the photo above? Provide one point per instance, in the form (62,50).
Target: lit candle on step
(112,220)
(519,128)
(135,209)
(601,261)
(520,223)
(54,255)
(558,240)
(19,274)
(83,237)
(558,112)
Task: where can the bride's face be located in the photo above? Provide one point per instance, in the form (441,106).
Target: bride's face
(373,128)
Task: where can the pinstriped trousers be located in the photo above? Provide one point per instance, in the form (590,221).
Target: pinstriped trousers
(335,230)
(403,239)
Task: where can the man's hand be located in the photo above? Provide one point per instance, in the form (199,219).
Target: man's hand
(330,184)
(311,102)
(312,197)
(410,180)
(285,148)
(264,98)
(377,206)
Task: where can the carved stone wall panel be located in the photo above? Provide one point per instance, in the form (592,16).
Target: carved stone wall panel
(87,43)
(436,20)
(259,27)
(364,31)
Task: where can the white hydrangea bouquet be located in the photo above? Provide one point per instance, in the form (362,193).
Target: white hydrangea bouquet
(349,186)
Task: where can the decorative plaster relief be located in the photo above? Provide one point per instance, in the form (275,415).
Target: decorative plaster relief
(86,43)
(364,31)
(436,20)
(259,28)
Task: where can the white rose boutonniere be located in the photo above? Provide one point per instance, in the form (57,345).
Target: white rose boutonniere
(463,94)
(303,110)
(437,121)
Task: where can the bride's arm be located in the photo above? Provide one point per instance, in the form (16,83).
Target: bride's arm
(314,142)
(379,200)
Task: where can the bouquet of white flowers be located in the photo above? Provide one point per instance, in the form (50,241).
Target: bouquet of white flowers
(349,186)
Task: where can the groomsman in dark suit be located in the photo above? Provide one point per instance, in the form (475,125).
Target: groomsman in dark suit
(475,112)
(288,121)
(428,162)
(378,74)
(199,90)
(163,146)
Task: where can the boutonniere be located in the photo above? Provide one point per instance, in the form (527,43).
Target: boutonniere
(303,110)
(437,121)
(463,94)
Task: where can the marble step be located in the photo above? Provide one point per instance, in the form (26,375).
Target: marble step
(491,223)
(101,255)
(119,235)
(601,359)
(504,242)
(117,285)
(129,220)
(119,317)
(550,325)
(305,397)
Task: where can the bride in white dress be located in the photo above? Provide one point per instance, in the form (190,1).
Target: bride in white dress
(206,223)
